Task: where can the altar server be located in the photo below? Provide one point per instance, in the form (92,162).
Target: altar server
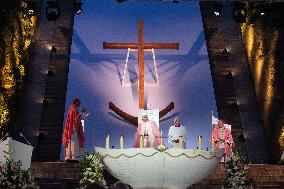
(177,134)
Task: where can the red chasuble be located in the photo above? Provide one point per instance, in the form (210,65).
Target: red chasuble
(73,124)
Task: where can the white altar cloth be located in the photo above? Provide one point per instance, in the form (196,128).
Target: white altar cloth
(149,168)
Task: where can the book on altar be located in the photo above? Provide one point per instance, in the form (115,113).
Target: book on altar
(16,151)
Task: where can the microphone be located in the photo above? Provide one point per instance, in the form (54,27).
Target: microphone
(3,137)
(21,134)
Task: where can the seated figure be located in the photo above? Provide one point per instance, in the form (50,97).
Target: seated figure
(149,132)
(222,138)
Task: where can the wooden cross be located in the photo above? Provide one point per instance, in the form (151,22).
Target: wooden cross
(141,46)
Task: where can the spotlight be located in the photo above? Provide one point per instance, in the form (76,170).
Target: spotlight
(240,15)
(78,6)
(235,104)
(216,13)
(229,75)
(40,135)
(217,8)
(50,73)
(31,7)
(44,102)
(225,51)
(53,49)
(262,13)
(52,10)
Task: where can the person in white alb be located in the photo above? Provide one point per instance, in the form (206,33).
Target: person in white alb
(177,134)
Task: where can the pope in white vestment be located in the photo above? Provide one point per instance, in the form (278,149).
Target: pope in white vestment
(149,132)
(177,135)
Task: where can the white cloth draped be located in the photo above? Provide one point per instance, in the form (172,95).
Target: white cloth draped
(146,128)
(74,151)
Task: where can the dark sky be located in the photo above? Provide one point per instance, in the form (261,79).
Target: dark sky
(95,73)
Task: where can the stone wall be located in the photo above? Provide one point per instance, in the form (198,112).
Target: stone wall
(263,40)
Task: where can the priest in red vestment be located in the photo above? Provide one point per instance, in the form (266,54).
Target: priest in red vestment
(73,135)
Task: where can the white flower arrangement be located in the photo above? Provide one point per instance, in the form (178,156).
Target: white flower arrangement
(12,176)
(92,166)
(237,173)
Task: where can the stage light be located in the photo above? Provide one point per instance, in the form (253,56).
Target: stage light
(225,51)
(78,6)
(31,7)
(50,73)
(216,13)
(53,49)
(44,102)
(240,15)
(217,8)
(40,135)
(229,75)
(235,104)
(52,10)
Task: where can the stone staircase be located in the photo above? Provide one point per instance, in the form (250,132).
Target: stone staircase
(52,113)
(61,175)
(235,97)
(41,121)
(221,72)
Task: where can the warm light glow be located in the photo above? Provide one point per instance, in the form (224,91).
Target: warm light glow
(250,40)
(281,138)
(270,76)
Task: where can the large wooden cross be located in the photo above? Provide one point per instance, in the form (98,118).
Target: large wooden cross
(141,46)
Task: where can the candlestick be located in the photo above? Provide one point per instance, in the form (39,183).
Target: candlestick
(107,141)
(180,142)
(141,141)
(213,144)
(200,142)
(121,141)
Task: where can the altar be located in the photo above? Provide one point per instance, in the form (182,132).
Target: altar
(152,168)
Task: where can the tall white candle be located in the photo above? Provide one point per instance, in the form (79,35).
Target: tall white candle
(180,142)
(213,144)
(107,141)
(200,142)
(141,141)
(121,141)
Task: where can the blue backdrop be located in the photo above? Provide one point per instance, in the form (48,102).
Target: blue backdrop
(95,74)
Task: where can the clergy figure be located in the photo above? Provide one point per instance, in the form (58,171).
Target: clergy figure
(73,135)
(222,137)
(149,132)
(177,134)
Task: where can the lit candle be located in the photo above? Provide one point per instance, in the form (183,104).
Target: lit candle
(121,142)
(141,141)
(107,142)
(180,142)
(200,142)
(213,144)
